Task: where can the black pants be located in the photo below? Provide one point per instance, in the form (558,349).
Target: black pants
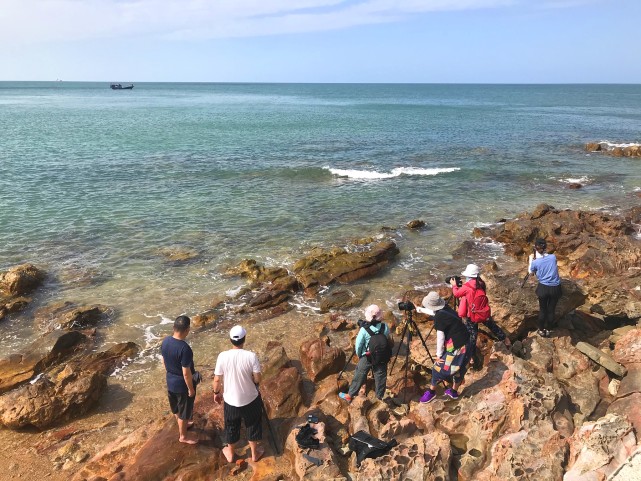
(251,414)
(548,297)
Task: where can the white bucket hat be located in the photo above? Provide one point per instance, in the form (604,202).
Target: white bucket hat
(472,270)
(432,302)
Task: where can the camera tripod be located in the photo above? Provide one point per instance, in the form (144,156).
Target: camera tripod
(409,329)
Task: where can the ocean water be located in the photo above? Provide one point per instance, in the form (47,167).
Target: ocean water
(94,182)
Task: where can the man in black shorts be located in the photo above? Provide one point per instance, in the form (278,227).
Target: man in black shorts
(178,359)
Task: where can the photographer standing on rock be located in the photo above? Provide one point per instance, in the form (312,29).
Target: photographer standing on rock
(451,341)
(178,360)
(373,351)
(236,379)
(474,308)
(549,289)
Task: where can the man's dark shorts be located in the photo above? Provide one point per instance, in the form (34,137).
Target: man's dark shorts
(181,404)
(251,414)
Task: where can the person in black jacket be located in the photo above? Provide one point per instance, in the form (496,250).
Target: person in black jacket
(451,340)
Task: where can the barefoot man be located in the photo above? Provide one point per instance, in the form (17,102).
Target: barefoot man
(178,359)
(236,379)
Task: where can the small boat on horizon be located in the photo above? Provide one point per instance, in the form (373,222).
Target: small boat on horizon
(121,87)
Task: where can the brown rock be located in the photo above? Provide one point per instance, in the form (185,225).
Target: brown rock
(21,280)
(323,267)
(628,408)
(282,393)
(9,306)
(68,315)
(574,185)
(63,392)
(342,299)
(598,448)
(177,255)
(424,456)
(416,224)
(257,274)
(304,469)
(628,349)
(43,353)
(592,147)
(319,359)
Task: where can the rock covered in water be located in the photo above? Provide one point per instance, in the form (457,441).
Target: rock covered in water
(21,280)
(416,224)
(68,315)
(615,150)
(342,299)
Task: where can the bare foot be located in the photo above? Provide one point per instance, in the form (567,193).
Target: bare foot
(259,454)
(188,440)
(228,452)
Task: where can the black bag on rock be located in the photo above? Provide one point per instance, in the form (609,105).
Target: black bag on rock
(305,437)
(367,446)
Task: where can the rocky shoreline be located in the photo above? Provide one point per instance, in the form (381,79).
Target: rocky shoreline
(556,408)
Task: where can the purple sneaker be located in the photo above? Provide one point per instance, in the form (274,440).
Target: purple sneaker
(451,393)
(428,396)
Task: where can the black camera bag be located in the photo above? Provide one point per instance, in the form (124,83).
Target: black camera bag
(367,446)
(380,351)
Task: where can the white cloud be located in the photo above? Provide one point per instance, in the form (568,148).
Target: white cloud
(35,21)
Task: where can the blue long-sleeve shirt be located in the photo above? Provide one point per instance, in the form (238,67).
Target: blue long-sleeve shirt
(362,340)
(546,270)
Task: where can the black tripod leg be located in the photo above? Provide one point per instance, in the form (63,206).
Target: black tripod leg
(399,347)
(423,340)
(407,363)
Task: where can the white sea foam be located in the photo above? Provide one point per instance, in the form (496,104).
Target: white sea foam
(612,145)
(398,171)
(576,180)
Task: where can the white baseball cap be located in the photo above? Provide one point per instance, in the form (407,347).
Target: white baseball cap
(237,333)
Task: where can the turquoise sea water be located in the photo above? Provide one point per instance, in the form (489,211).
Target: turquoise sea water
(93,181)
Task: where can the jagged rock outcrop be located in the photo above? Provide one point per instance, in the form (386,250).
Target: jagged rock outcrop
(599,448)
(50,349)
(342,299)
(595,248)
(65,391)
(319,359)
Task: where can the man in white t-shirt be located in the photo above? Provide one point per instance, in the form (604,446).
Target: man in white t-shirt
(236,379)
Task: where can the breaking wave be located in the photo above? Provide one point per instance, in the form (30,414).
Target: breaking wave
(398,171)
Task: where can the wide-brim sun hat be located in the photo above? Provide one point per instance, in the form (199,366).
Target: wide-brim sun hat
(237,333)
(432,303)
(373,312)
(472,270)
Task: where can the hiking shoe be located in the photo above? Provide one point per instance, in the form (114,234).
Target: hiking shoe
(428,396)
(451,393)
(548,333)
(542,333)
(345,396)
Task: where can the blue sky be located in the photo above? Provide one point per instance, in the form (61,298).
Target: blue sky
(475,41)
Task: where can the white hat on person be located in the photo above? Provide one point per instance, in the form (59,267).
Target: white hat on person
(237,333)
(472,270)
(373,312)
(432,303)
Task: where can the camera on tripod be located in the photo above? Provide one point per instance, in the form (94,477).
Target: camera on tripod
(459,281)
(406,306)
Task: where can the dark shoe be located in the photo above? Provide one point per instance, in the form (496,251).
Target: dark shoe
(428,396)
(548,333)
(451,393)
(542,333)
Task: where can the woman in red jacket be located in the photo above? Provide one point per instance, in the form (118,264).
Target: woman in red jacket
(466,292)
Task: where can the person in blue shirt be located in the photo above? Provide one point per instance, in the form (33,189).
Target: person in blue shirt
(549,289)
(373,317)
(178,359)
